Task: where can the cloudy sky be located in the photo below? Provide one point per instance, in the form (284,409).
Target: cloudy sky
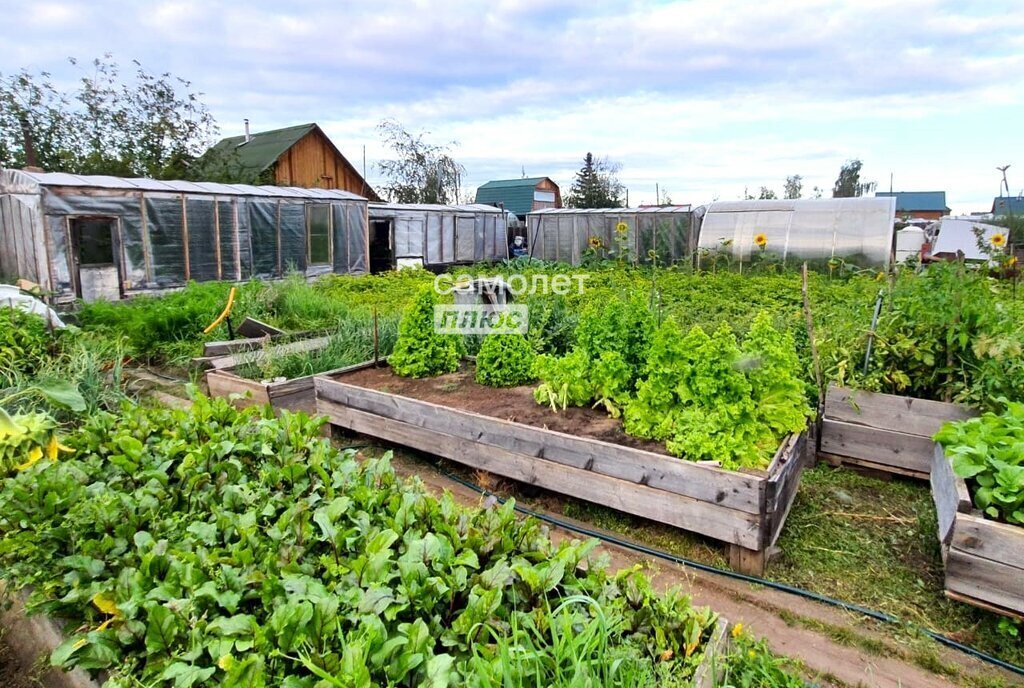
(705,98)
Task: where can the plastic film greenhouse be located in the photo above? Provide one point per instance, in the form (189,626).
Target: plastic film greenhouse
(858,231)
(96,237)
(664,233)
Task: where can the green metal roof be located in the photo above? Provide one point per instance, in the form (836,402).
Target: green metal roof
(910,201)
(262,150)
(516,195)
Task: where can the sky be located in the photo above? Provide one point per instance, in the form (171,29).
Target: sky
(704,98)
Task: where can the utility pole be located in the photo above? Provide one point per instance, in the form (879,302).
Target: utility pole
(1004,182)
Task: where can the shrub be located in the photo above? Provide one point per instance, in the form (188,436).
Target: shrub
(420,350)
(505,360)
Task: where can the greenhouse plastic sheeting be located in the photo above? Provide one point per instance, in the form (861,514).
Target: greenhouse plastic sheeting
(856,230)
(664,234)
(263,225)
(356,231)
(293,236)
(202,241)
(166,240)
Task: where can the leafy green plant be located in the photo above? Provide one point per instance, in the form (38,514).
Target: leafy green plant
(988,451)
(504,360)
(750,664)
(222,547)
(25,343)
(564,380)
(420,350)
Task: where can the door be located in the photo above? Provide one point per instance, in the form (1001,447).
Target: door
(381,248)
(95,268)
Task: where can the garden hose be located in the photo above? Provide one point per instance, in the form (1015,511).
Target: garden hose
(782,587)
(225,313)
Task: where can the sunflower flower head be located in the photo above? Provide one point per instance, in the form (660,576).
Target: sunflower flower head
(760,240)
(998,240)
(594,242)
(622,228)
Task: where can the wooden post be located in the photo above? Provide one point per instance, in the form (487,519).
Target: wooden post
(810,337)
(376,340)
(750,562)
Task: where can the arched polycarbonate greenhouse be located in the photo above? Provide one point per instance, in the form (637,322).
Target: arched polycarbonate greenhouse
(858,231)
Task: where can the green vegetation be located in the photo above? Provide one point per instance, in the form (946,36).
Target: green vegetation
(214,546)
(504,360)
(989,452)
(420,350)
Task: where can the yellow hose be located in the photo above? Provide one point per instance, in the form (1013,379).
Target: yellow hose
(226,313)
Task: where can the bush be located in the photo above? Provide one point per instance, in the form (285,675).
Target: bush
(505,360)
(420,350)
(25,344)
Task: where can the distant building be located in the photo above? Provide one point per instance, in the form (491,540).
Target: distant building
(300,156)
(521,196)
(930,205)
(1007,205)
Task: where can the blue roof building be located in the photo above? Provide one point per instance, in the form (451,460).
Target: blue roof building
(927,204)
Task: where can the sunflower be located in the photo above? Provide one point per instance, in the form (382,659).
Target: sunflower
(1012,261)
(998,240)
(594,242)
(761,240)
(622,228)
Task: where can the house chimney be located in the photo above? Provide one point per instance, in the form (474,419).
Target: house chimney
(30,151)
(247,136)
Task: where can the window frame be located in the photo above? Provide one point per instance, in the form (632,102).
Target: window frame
(310,209)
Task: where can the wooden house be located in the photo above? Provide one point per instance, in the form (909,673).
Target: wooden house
(521,196)
(299,156)
(928,205)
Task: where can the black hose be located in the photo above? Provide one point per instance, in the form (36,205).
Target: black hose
(807,594)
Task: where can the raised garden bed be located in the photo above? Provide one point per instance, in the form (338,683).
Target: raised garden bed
(883,432)
(293,395)
(579,452)
(984,558)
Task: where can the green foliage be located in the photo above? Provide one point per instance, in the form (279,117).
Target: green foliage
(750,664)
(596,185)
(420,350)
(25,343)
(564,380)
(349,342)
(219,547)
(708,399)
(152,125)
(988,451)
(552,324)
(504,360)
(422,172)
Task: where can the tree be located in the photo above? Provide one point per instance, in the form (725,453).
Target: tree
(596,185)
(422,172)
(766,194)
(794,186)
(147,126)
(848,184)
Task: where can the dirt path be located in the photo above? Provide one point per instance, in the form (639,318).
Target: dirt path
(794,627)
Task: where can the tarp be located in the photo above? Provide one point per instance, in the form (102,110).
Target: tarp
(953,235)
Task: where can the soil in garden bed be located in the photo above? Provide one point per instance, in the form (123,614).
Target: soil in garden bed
(459,390)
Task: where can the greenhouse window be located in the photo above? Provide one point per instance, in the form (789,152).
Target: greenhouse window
(318,233)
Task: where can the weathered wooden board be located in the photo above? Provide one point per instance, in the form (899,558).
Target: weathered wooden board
(746,511)
(883,431)
(986,580)
(673,509)
(949,494)
(883,447)
(291,395)
(984,558)
(726,488)
(709,673)
(257,355)
(905,415)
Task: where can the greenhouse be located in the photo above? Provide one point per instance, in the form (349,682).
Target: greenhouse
(633,234)
(858,231)
(434,236)
(97,237)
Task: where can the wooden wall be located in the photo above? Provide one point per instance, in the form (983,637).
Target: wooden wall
(314,163)
(548,185)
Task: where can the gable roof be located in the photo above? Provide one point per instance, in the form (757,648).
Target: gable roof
(263,148)
(516,195)
(1004,205)
(909,201)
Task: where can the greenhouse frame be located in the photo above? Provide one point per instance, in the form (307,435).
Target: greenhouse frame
(98,237)
(858,231)
(435,236)
(666,233)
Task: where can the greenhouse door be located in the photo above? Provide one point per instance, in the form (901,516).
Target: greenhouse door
(382,258)
(95,270)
